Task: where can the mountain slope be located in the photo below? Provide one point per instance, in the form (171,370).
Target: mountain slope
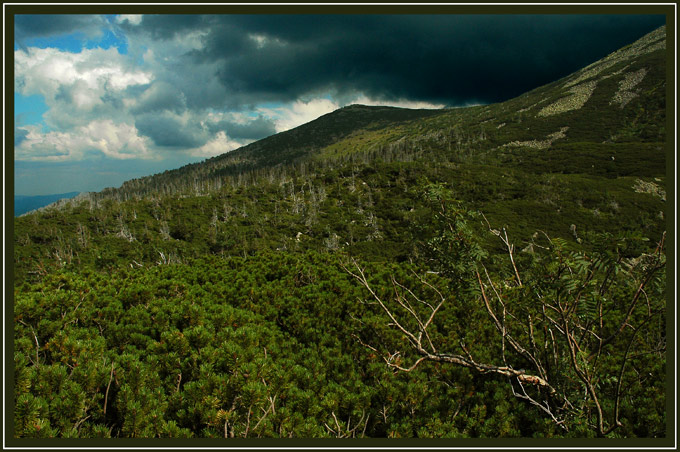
(277,290)
(586,151)
(618,99)
(287,147)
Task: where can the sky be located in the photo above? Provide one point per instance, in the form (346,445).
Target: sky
(101,99)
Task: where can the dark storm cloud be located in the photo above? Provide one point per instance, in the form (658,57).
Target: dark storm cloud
(160,96)
(164,26)
(27,26)
(449,59)
(254,130)
(168,131)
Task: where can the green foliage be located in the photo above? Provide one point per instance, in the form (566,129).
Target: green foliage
(213,300)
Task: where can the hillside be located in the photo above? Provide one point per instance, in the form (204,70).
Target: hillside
(601,104)
(286,288)
(587,151)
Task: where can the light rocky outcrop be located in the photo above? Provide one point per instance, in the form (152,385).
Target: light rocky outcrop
(540,144)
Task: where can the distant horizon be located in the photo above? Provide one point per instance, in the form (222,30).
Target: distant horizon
(24,204)
(47,194)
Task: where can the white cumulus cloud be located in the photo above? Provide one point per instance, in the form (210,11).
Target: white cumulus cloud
(403,103)
(219,144)
(299,112)
(118,141)
(44,71)
(134,19)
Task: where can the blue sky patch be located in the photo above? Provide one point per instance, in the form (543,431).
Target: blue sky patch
(108,40)
(29,110)
(76,42)
(68,43)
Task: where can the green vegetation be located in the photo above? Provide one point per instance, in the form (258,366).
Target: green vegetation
(378,272)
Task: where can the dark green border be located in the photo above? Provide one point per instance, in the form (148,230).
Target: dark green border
(667,10)
(8,228)
(671,226)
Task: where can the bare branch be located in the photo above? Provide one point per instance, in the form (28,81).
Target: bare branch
(501,327)
(364,344)
(80,422)
(106,396)
(506,241)
(37,344)
(362,279)
(545,408)
(266,413)
(632,305)
(406,369)
(423,327)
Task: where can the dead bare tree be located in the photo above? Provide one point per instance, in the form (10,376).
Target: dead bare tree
(345,429)
(563,346)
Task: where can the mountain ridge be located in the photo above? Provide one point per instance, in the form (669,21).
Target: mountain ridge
(559,98)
